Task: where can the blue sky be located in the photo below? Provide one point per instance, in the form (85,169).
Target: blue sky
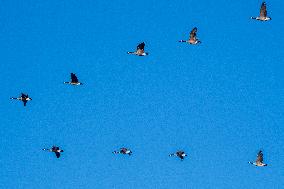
(220,101)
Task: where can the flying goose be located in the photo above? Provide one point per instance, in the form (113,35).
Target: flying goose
(54,149)
(193,40)
(123,151)
(263,13)
(74,80)
(140,50)
(24,98)
(180,154)
(259,160)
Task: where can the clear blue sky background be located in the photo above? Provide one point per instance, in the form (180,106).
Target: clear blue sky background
(220,101)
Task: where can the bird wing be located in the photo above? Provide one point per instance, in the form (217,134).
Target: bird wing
(57,154)
(74,78)
(23,95)
(263,12)
(141,46)
(192,35)
(259,158)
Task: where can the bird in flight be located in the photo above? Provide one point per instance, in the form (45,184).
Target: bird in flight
(74,80)
(259,160)
(263,13)
(54,149)
(180,154)
(140,50)
(24,98)
(123,151)
(193,40)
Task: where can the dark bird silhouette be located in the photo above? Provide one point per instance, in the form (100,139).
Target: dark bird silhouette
(180,154)
(74,80)
(54,149)
(24,98)
(140,50)
(123,151)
